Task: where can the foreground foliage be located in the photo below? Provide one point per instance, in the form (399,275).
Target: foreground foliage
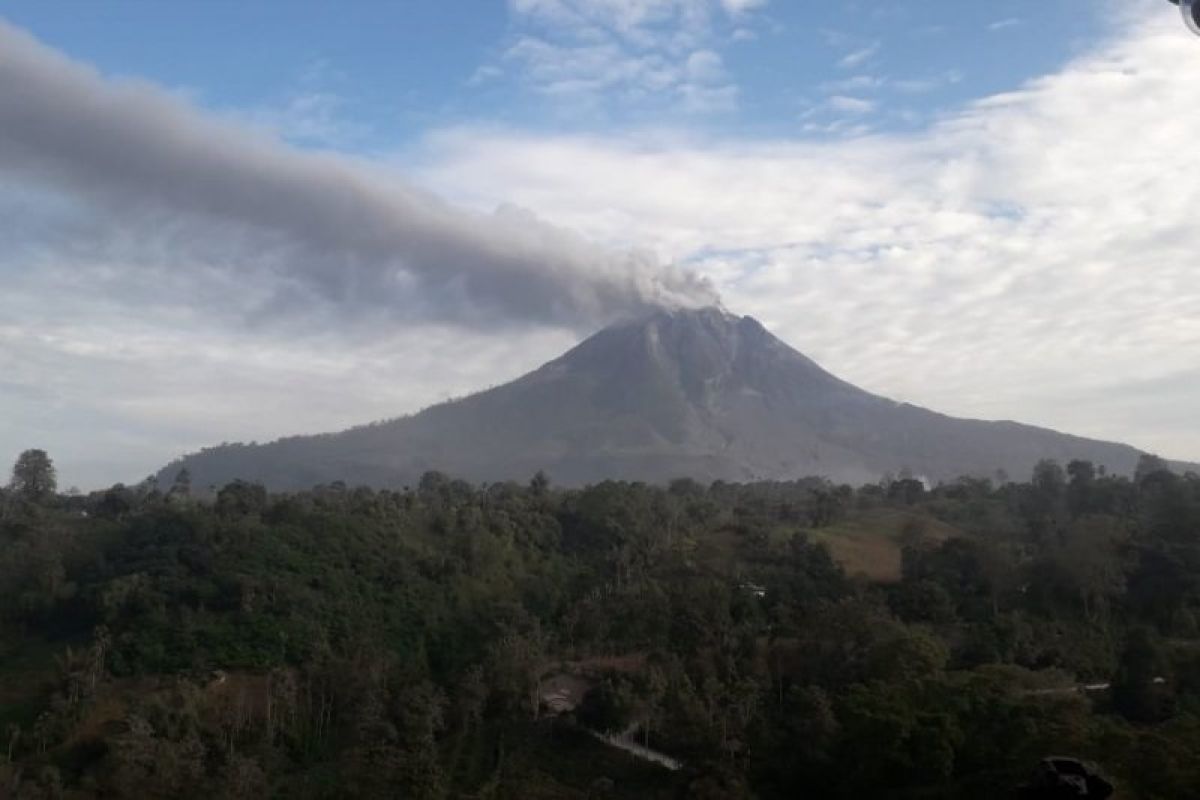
(345,642)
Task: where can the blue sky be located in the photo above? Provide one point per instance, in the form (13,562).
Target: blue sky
(231,221)
(388,72)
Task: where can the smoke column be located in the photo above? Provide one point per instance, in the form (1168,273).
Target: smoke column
(323,228)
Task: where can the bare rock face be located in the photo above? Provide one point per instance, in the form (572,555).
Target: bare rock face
(689,393)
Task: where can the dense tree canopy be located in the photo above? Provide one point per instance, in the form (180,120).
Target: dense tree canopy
(777,639)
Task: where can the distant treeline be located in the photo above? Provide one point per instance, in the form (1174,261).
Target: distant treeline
(351,642)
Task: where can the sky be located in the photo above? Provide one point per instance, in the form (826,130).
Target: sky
(232,221)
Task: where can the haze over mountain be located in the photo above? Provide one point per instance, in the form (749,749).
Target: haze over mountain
(696,393)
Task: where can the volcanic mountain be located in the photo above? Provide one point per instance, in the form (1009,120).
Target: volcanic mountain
(696,393)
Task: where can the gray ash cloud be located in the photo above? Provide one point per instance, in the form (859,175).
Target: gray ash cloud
(162,181)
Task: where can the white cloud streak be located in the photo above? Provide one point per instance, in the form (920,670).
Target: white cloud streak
(857,58)
(851,105)
(1004,24)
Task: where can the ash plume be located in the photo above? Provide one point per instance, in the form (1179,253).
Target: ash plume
(316,228)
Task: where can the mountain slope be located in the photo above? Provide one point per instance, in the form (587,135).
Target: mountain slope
(696,393)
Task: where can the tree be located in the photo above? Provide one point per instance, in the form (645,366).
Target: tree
(1049,480)
(827,506)
(33,476)
(116,502)
(182,487)
(539,484)
(14,735)
(906,490)
(1079,490)
(1047,499)
(912,654)
(240,498)
(1090,556)
(922,601)
(1136,692)
(1148,465)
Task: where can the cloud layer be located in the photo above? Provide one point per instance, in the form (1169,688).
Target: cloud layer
(143,176)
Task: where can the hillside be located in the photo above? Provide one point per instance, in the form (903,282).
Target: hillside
(699,393)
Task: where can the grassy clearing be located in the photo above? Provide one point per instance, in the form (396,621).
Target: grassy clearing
(865,543)
(869,543)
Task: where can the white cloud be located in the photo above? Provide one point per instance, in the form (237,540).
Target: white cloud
(931,84)
(855,83)
(851,105)
(860,56)
(736,7)
(705,66)
(874,83)
(1004,24)
(484,74)
(1031,256)
(590,54)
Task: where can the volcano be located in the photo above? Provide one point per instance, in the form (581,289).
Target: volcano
(690,393)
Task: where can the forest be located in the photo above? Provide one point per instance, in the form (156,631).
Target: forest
(517,640)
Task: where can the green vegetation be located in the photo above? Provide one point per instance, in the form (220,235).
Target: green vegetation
(780,639)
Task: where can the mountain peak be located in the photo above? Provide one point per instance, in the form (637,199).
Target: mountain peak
(717,320)
(694,344)
(700,345)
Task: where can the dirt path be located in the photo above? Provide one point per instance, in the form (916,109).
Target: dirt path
(624,741)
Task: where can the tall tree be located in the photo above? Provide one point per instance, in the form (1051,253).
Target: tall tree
(33,476)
